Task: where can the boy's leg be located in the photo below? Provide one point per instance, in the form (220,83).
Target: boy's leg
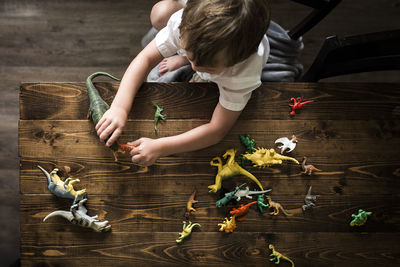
(162,11)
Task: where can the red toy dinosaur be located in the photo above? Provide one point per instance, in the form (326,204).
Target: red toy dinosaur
(297,104)
(242,210)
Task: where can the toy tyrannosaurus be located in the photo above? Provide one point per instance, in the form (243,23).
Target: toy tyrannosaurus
(187,230)
(308,168)
(78,215)
(276,207)
(360,218)
(286,143)
(309,200)
(241,212)
(158,115)
(64,189)
(247,193)
(276,256)
(265,157)
(228,225)
(230,169)
(228,197)
(297,104)
(189,205)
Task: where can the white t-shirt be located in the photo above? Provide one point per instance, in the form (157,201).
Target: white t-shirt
(235,83)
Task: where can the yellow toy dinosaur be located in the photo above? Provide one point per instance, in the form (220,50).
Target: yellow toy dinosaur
(276,256)
(265,157)
(276,206)
(228,225)
(230,169)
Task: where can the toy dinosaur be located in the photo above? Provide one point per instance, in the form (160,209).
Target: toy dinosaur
(260,203)
(228,225)
(309,200)
(78,215)
(189,205)
(286,143)
(276,207)
(228,197)
(248,142)
(158,115)
(297,104)
(64,189)
(308,168)
(360,218)
(230,169)
(276,256)
(187,230)
(265,157)
(241,212)
(247,193)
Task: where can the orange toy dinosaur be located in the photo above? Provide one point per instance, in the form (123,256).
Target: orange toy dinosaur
(242,210)
(308,168)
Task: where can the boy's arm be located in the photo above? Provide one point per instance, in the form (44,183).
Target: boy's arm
(149,150)
(113,121)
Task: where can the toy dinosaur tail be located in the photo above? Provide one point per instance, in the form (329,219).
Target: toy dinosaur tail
(45,174)
(251,176)
(66,214)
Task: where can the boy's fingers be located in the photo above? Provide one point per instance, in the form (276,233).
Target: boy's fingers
(99,123)
(136,159)
(106,133)
(113,137)
(103,126)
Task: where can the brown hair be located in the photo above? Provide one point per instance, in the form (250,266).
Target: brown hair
(236,26)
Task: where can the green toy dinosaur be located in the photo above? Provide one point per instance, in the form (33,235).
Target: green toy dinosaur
(250,144)
(360,218)
(98,106)
(187,230)
(158,115)
(260,203)
(276,256)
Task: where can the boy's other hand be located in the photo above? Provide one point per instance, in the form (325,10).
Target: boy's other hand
(112,122)
(172,63)
(146,152)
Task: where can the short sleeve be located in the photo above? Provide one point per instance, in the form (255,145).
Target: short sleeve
(235,100)
(167,39)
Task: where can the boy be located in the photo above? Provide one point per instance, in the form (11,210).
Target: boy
(224,42)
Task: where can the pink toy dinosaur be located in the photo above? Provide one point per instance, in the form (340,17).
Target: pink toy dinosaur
(242,210)
(297,104)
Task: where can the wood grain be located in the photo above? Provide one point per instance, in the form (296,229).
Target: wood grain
(356,101)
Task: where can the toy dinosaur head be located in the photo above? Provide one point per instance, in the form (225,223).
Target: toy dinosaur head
(229,152)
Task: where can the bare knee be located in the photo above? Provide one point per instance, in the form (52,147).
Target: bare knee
(162,11)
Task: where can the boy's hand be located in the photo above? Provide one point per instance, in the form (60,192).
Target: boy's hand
(112,122)
(146,152)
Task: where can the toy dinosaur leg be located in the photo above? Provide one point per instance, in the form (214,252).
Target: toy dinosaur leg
(217,186)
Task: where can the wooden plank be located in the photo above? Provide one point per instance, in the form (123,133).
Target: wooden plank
(330,139)
(209,249)
(174,175)
(333,101)
(164,213)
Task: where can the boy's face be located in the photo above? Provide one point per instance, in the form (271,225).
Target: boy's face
(215,69)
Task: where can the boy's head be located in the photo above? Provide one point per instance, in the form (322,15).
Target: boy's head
(230,30)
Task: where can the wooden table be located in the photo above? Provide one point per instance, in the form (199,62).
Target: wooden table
(351,132)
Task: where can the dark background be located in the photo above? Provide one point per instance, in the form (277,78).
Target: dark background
(65,41)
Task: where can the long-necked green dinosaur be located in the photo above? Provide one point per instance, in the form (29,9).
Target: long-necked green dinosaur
(98,107)
(187,230)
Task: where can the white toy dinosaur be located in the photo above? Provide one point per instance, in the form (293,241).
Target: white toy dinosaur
(247,193)
(286,143)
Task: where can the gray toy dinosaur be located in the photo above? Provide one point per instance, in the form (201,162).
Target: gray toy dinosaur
(309,200)
(61,188)
(228,197)
(247,193)
(78,215)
